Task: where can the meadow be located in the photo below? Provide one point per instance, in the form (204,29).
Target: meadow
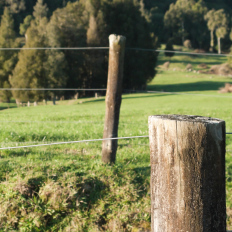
(67,187)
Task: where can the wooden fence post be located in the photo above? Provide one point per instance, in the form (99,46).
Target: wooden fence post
(113,97)
(187,173)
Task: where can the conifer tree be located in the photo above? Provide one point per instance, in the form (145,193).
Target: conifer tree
(24,26)
(29,71)
(125,18)
(38,68)
(70,31)
(40,10)
(96,60)
(8,58)
(15,6)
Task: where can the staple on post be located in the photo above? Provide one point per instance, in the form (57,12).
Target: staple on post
(187,173)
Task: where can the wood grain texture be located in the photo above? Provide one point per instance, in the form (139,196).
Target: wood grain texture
(187,173)
(113,97)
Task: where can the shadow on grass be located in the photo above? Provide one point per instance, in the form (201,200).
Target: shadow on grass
(193,59)
(15,153)
(186,87)
(141,180)
(128,96)
(195,62)
(95,100)
(145,171)
(182,87)
(144,96)
(6,107)
(5,168)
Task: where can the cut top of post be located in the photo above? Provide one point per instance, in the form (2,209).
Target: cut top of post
(189,118)
(117,41)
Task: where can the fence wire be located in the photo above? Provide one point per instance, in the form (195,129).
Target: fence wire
(126,91)
(51,89)
(72,142)
(97,89)
(70,122)
(107,48)
(55,48)
(80,141)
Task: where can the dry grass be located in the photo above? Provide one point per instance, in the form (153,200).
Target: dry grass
(203,66)
(222,70)
(166,65)
(226,89)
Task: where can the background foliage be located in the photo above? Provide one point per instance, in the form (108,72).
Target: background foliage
(145,23)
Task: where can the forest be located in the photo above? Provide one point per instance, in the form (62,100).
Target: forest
(196,24)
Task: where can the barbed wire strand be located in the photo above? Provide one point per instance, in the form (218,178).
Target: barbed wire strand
(69,142)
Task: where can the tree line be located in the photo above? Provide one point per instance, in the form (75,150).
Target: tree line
(83,23)
(175,21)
(87,23)
(193,21)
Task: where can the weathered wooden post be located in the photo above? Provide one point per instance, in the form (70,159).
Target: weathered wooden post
(187,173)
(113,97)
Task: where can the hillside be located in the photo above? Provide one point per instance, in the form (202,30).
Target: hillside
(66,187)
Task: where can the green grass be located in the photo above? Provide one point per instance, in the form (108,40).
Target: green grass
(180,61)
(66,187)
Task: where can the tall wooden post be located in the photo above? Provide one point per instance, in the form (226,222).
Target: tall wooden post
(113,97)
(187,173)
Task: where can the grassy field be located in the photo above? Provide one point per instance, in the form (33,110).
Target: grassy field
(66,187)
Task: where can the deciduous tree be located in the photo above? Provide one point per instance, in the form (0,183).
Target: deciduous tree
(209,17)
(221,26)
(217,21)
(177,16)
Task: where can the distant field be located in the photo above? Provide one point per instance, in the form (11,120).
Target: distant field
(66,187)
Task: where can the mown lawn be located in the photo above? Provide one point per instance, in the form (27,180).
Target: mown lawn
(66,187)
